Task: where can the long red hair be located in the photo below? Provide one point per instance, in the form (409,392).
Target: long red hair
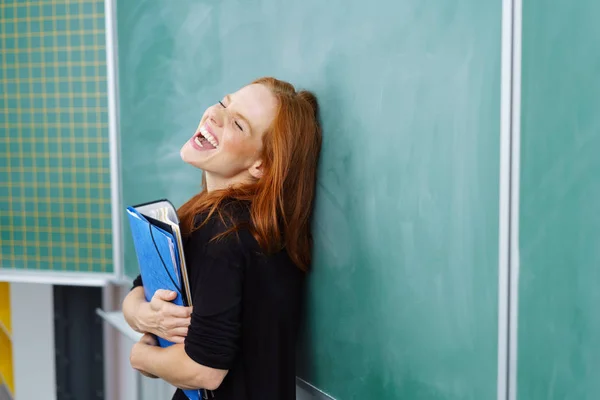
(281,202)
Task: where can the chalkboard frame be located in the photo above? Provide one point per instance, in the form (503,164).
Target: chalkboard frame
(81,278)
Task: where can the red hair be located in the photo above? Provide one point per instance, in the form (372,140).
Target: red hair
(281,202)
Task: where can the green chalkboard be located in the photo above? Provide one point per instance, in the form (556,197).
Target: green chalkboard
(559,323)
(160,91)
(403,295)
(55,211)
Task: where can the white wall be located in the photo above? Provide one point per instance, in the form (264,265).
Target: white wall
(32,312)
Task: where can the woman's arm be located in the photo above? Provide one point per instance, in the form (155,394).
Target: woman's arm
(133,304)
(173,365)
(159,316)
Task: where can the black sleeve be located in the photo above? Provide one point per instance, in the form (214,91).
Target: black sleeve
(137,282)
(215,329)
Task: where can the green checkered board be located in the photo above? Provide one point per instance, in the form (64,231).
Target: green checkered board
(54,155)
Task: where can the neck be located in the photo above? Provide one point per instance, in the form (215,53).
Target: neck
(216,182)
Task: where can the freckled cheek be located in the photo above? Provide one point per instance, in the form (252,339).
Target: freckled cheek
(242,147)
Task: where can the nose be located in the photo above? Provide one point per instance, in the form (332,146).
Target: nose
(216,117)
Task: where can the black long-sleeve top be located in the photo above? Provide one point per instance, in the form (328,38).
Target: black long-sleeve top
(246,310)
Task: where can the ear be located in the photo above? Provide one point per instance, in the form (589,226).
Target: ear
(256,170)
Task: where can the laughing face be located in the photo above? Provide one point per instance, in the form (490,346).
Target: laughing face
(227,144)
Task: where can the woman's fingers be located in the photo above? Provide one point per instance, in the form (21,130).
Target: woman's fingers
(183,322)
(178,338)
(165,295)
(177,311)
(172,320)
(162,301)
(182,331)
(168,324)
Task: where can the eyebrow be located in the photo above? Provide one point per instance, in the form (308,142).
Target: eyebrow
(237,114)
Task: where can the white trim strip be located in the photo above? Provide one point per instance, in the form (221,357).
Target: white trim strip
(317,393)
(504,212)
(110,347)
(113,136)
(55,277)
(515,169)
(508,252)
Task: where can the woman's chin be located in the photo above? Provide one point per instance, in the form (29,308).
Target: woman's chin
(190,158)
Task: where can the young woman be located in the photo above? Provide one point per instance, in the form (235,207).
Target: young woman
(248,247)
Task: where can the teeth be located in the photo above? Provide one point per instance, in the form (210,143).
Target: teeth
(212,140)
(198,142)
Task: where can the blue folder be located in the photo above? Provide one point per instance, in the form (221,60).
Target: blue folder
(154,247)
(160,264)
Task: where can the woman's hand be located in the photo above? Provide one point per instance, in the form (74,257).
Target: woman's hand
(136,353)
(159,316)
(167,320)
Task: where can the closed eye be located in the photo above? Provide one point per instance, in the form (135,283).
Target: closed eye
(236,123)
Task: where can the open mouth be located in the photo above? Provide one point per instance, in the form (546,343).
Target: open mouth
(205,140)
